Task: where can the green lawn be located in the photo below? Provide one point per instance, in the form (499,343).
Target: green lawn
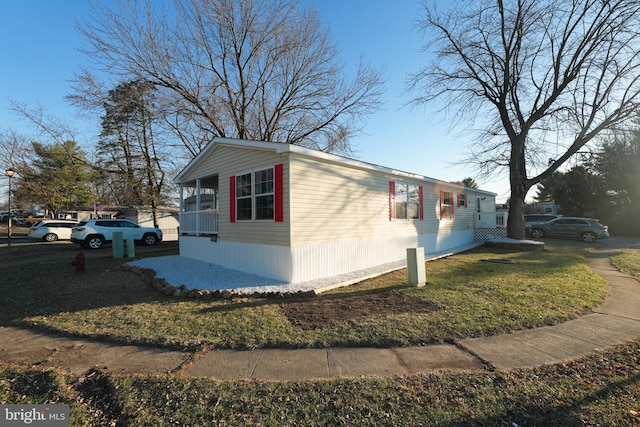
(467,296)
(628,261)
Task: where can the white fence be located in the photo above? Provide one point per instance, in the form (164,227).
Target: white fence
(199,222)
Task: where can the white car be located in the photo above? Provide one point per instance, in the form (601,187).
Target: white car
(94,233)
(51,230)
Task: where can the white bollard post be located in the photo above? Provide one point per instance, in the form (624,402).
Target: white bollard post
(415,267)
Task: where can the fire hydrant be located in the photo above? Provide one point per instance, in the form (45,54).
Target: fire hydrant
(79,263)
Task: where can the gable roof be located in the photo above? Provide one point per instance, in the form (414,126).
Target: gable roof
(280,148)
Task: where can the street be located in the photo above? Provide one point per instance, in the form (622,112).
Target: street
(25,249)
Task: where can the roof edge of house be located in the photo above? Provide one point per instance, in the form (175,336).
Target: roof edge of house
(284,148)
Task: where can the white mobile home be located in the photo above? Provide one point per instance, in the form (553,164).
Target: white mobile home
(295,214)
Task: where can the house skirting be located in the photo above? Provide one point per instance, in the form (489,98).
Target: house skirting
(314,261)
(484,234)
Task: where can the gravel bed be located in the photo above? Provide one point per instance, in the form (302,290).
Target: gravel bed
(196,274)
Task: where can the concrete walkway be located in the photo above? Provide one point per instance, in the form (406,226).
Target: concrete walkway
(616,321)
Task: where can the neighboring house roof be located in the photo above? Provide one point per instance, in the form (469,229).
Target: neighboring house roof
(281,148)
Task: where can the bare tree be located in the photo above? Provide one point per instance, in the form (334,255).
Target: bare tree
(253,69)
(543,78)
(13,147)
(48,126)
(14,153)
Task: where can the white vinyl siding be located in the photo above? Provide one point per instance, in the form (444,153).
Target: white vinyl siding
(336,203)
(226,161)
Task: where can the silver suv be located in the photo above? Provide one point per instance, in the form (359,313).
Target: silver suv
(94,233)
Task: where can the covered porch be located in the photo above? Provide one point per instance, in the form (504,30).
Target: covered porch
(199,207)
(490,225)
(491,219)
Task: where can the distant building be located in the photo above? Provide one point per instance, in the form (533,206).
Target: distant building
(542,208)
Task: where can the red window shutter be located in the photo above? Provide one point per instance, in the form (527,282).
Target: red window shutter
(458,194)
(232,199)
(421,203)
(278,190)
(441,203)
(452,216)
(392,200)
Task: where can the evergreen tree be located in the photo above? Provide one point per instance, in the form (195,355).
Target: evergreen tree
(578,192)
(128,150)
(58,177)
(470,183)
(618,163)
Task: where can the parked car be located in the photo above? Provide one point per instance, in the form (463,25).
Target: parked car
(94,233)
(534,219)
(51,230)
(587,229)
(4,216)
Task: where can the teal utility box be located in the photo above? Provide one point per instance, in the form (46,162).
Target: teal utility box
(131,248)
(117,245)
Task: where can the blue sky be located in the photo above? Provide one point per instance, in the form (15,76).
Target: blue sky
(39,55)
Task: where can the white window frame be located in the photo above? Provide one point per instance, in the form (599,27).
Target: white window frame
(253,196)
(462,200)
(446,209)
(405,200)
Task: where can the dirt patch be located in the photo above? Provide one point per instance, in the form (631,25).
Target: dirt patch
(317,314)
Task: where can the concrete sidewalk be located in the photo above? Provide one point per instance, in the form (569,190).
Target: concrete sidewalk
(616,321)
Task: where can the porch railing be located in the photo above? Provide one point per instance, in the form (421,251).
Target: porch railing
(199,222)
(491,219)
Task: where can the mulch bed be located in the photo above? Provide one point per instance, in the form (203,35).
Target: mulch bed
(320,313)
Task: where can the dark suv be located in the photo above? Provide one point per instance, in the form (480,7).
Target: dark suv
(533,219)
(587,229)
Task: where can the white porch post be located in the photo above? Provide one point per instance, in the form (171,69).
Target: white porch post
(181,208)
(198,207)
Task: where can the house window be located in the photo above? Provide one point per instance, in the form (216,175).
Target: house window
(254,194)
(244,200)
(264,194)
(462,200)
(446,205)
(406,201)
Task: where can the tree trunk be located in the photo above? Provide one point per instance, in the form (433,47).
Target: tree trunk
(519,188)
(515,222)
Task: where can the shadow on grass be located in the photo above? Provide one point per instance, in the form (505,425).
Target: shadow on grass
(563,412)
(34,291)
(36,288)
